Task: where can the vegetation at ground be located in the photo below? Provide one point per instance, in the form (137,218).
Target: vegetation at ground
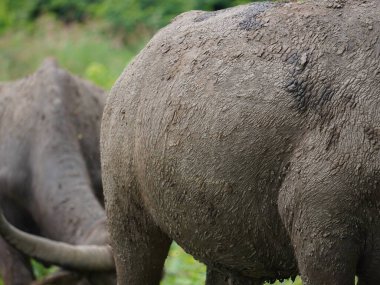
(94,39)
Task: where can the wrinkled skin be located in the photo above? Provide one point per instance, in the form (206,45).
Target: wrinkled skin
(251,137)
(50,182)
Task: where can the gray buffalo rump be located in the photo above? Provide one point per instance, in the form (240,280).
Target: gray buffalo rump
(50,165)
(250,136)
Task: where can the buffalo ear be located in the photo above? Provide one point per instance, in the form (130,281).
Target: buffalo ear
(59,278)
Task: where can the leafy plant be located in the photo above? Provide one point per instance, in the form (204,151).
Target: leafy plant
(41,271)
(182,269)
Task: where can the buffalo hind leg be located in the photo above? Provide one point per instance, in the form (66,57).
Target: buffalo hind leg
(326,253)
(326,267)
(140,247)
(322,222)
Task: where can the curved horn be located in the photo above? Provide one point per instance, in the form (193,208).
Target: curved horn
(76,257)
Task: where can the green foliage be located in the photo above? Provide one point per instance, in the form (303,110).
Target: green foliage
(84,50)
(182,269)
(129,15)
(15,12)
(123,16)
(41,271)
(66,10)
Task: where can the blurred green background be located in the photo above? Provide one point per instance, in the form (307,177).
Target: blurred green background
(94,39)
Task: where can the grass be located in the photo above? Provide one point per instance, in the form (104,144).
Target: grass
(83,49)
